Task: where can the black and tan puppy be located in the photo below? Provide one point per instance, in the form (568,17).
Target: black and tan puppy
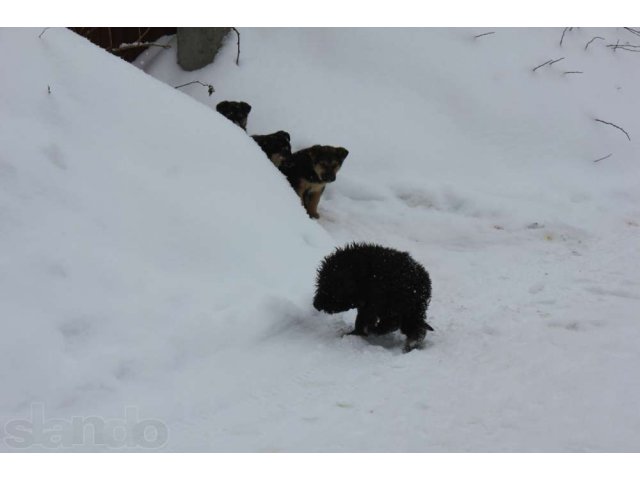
(310,170)
(277,146)
(389,288)
(237,112)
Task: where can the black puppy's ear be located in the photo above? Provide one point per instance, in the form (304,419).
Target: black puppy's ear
(286,135)
(246,108)
(342,153)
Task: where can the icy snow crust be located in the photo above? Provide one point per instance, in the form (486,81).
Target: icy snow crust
(153,258)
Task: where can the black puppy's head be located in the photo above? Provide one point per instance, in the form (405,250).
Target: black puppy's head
(336,287)
(327,161)
(277,146)
(237,112)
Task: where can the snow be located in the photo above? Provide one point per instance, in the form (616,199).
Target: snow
(154,259)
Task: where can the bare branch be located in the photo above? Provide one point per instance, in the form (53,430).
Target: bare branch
(632,30)
(563,32)
(589,42)
(483,34)
(238,34)
(131,46)
(567,73)
(548,62)
(602,158)
(42,32)
(614,125)
(210,88)
(142,35)
(628,47)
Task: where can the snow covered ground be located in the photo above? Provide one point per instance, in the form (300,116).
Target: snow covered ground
(155,263)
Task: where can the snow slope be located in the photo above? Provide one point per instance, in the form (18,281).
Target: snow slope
(155,259)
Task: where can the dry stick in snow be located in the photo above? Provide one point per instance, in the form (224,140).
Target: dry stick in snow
(626,46)
(548,62)
(42,32)
(483,34)
(563,32)
(131,46)
(238,34)
(602,158)
(614,125)
(589,42)
(210,88)
(632,30)
(567,73)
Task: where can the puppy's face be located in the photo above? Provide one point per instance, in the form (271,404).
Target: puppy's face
(279,147)
(335,290)
(237,112)
(327,161)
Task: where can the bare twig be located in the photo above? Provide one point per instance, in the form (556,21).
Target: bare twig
(131,46)
(483,34)
(589,42)
(614,125)
(567,73)
(632,30)
(49,89)
(602,158)
(548,62)
(238,34)
(42,32)
(628,47)
(563,32)
(142,35)
(210,88)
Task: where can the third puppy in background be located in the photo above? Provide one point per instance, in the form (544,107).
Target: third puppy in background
(237,112)
(310,170)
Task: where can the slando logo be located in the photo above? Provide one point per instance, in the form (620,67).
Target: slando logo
(129,432)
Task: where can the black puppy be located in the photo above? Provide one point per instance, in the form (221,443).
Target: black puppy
(310,170)
(389,288)
(237,112)
(277,146)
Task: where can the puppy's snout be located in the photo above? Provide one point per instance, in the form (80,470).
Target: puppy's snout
(329,177)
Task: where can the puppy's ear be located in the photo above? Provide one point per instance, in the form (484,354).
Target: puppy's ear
(286,135)
(246,108)
(342,153)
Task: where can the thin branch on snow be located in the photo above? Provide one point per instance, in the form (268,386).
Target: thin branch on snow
(628,47)
(614,125)
(42,32)
(632,30)
(483,34)
(238,34)
(548,62)
(563,32)
(49,89)
(567,73)
(602,158)
(131,46)
(589,42)
(210,88)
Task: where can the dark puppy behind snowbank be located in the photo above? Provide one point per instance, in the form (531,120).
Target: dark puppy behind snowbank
(237,112)
(389,288)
